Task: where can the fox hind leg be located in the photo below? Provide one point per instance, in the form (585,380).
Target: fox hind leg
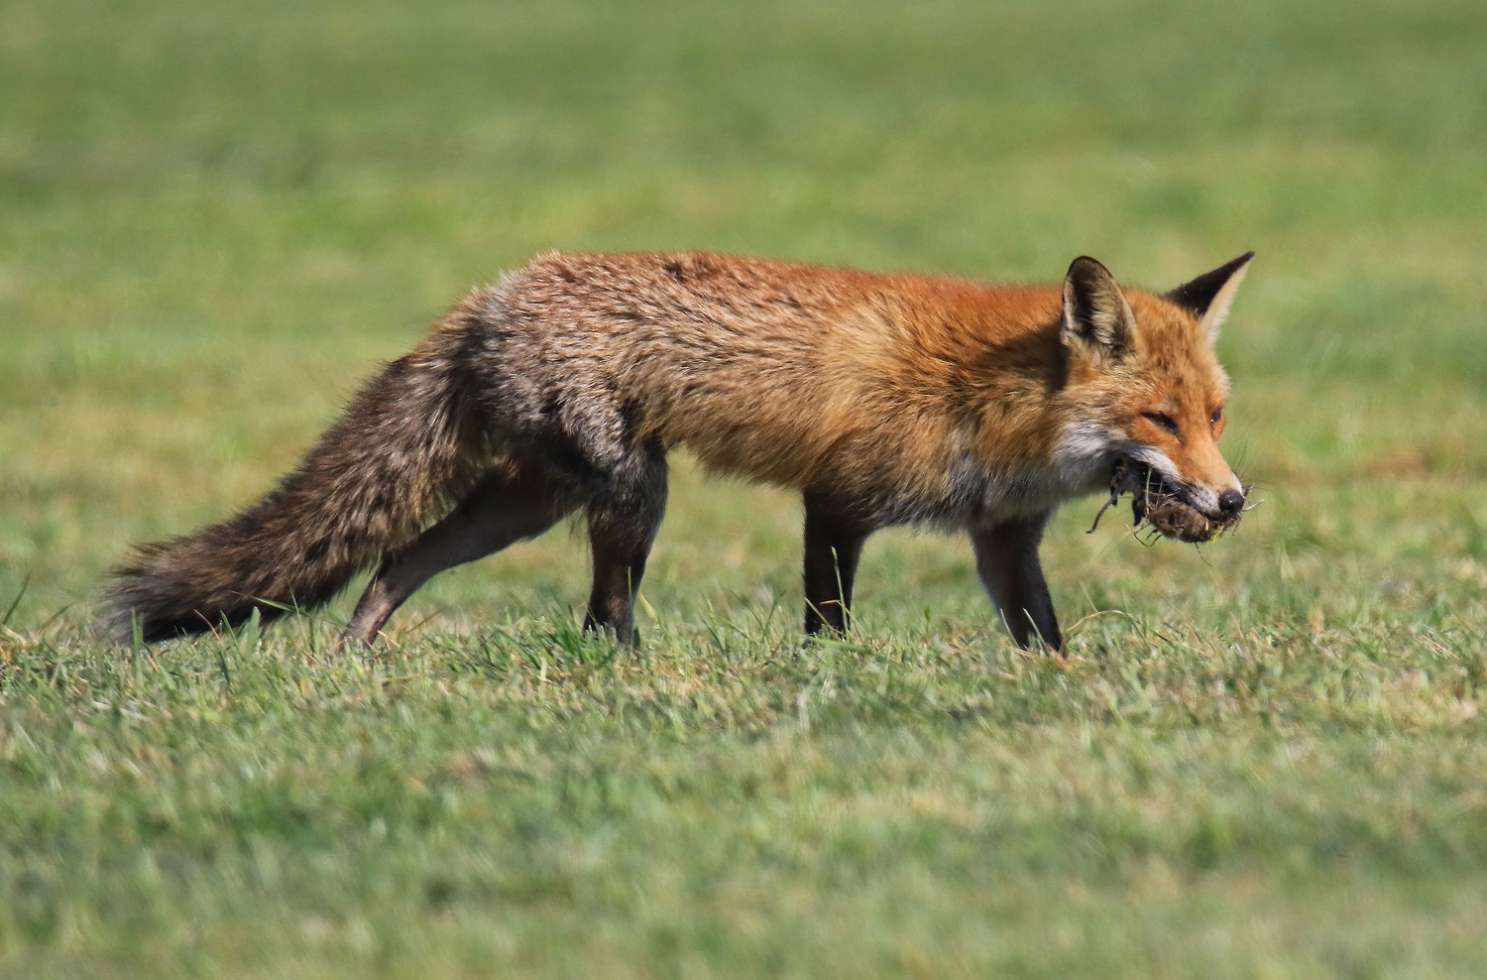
(623,521)
(499,512)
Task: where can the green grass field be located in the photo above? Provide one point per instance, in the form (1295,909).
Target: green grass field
(1265,758)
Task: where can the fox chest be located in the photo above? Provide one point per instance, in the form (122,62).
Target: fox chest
(971,493)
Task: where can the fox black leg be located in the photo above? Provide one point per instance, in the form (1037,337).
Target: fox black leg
(1007,561)
(499,512)
(833,544)
(623,522)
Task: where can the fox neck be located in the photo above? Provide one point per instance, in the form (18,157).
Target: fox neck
(1083,457)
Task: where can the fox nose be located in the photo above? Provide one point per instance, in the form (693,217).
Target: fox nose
(1231,502)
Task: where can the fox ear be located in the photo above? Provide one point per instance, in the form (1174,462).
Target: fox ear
(1097,318)
(1209,296)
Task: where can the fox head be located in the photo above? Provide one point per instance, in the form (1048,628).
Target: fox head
(1143,383)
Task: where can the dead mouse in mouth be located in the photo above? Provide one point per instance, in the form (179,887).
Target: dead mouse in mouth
(1160,506)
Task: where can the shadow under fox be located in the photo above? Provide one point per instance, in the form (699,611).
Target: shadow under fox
(882,399)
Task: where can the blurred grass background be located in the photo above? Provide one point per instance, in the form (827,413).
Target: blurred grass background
(216,218)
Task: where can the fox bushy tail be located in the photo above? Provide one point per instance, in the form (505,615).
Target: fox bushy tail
(408,445)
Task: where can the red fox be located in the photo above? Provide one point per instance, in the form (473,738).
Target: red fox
(882,399)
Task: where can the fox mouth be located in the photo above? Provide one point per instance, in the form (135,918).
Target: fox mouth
(1163,505)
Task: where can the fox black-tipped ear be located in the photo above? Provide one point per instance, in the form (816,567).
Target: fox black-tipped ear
(1097,317)
(1210,296)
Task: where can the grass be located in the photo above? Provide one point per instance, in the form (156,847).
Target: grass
(1265,757)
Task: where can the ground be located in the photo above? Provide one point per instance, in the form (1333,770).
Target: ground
(1265,757)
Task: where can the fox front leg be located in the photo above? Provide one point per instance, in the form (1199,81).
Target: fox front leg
(1007,561)
(833,544)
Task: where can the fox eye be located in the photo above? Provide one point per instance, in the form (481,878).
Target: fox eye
(1218,413)
(1162,419)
